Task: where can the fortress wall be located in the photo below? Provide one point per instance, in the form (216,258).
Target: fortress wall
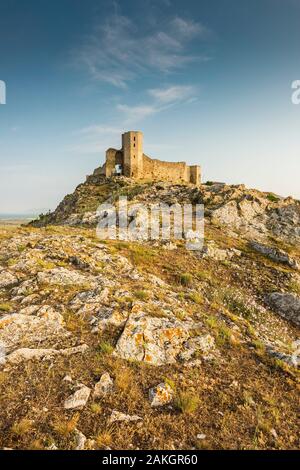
(167,171)
(110,162)
(195,174)
(135,164)
(113,157)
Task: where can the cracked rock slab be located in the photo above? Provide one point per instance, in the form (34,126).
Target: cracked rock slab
(7,279)
(61,276)
(78,399)
(274,254)
(18,330)
(152,339)
(286,305)
(26,354)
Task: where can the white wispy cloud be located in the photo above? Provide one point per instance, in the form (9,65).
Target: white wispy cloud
(94,139)
(98,129)
(119,50)
(97,137)
(136,113)
(189,28)
(161,99)
(172,94)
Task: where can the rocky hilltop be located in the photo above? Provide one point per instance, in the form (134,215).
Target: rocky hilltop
(147,345)
(248,212)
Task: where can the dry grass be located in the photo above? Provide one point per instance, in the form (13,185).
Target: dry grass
(105,347)
(225,413)
(5,307)
(96,408)
(124,379)
(64,427)
(186,402)
(141,295)
(104,438)
(22,427)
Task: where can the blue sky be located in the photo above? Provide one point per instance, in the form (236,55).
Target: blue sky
(207,81)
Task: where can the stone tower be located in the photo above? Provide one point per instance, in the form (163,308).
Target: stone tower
(131,162)
(132,143)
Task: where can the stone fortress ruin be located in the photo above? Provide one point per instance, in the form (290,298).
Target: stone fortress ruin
(131,161)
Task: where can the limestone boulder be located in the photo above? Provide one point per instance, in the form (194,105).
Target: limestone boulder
(61,276)
(211,250)
(17,331)
(227,214)
(30,310)
(203,345)
(104,386)
(274,254)
(2,353)
(284,221)
(26,354)
(90,218)
(152,339)
(90,300)
(292,360)
(287,305)
(161,395)
(78,399)
(7,279)
(80,440)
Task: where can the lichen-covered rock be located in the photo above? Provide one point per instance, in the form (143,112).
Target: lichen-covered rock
(284,221)
(104,386)
(161,395)
(80,440)
(204,344)
(7,279)
(2,353)
(26,354)
(78,399)
(18,330)
(286,305)
(61,276)
(151,339)
(274,254)
(49,313)
(290,359)
(30,310)
(119,416)
(211,250)
(227,214)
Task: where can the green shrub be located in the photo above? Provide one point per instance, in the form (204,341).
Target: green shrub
(196,298)
(185,279)
(5,307)
(271,197)
(186,402)
(105,347)
(141,295)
